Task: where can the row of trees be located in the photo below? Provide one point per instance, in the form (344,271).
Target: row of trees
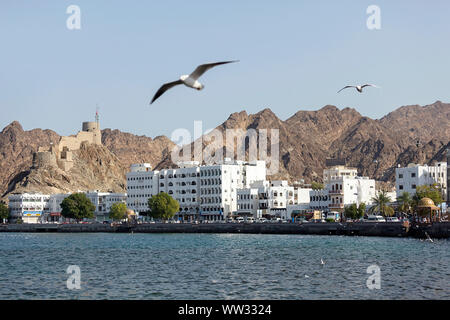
(407,204)
(78,206)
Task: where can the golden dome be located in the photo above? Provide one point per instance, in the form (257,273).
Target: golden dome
(426,203)
(130,212)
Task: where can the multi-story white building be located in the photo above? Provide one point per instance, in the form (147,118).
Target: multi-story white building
(344,191)
(319,200)
(407,179)
(35,208)
(30,207)
(335,172)
(345,187)
(207,192)
(270,198)
(448,176)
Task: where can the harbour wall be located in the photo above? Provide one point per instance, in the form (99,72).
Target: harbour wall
(386,229)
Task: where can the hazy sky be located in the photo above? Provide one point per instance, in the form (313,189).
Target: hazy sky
(294,55)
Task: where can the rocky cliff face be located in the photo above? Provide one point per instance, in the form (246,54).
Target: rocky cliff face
(130,148)
(408,134)
(95,167)
(16,151)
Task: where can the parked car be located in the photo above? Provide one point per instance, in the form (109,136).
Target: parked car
(392,219)
(374,218)
(230,220)
(239,220)
(261,220)
(250,220)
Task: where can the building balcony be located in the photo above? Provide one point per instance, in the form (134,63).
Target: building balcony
(336,192)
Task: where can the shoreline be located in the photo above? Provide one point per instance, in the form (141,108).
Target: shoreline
(440,230)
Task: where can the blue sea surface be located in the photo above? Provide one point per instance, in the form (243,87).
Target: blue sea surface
(221,266)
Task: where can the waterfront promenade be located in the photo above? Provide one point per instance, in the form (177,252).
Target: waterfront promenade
(385,229)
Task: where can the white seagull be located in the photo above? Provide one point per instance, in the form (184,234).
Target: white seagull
(191,80)
(359,88)
(321,261)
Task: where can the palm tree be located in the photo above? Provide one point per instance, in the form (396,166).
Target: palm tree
(380,203)
(405,200)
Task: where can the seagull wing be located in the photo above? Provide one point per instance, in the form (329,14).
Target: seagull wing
(164,88)
(346,88)
(369,85)
(201,69)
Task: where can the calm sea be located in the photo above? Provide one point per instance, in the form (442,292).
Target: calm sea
(219,266)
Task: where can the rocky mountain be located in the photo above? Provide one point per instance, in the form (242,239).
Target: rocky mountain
(418,134)
(130,148)
(409,134)
(95,167)
(16,151)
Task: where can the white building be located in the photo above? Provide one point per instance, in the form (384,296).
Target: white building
(407,179)
(207,192)
(270,199)
(345,187)
(35,208)
(448,176)
(332,173)
(30,207)
(319,200)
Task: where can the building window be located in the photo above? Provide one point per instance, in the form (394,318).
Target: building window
(413,175)
(413,186)
(400,187)
(400,176)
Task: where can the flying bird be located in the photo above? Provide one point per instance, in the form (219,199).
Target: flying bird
(191,80)
(359,88)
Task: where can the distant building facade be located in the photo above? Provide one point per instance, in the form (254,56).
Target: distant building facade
(36,208)
(407,179)
(345,187)
(204,192)
(448,176)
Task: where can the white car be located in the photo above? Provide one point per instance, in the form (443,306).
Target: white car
(375,219)
(239,219)
(250,220)
(262,220)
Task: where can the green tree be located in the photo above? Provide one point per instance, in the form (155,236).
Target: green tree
(433,192)
(77,206)
(4,211)
(316,185)
(405,201)
(118,211)
(351,211)
(361,210)
(163,206)
(381,201)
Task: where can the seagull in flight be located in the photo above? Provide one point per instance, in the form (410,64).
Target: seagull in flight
(359,88)
(191,80)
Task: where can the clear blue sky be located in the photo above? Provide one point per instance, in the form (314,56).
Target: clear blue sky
(294,55)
